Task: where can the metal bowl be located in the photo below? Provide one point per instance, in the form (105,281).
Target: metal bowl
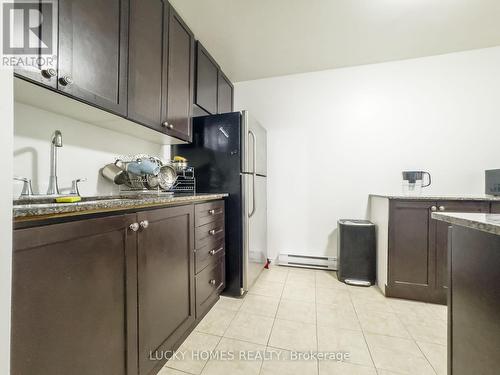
(167,177)
(180,166)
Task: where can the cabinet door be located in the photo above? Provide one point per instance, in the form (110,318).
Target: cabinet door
(225,94)
(145,62)
(93,45)
(495,207)
(411,258)
(165,282)
(441,243)
(42,69)
(73,292)
(207,76)
(179,75)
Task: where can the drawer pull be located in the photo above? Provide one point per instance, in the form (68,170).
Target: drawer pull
(213,232)
(211,212)
(212,282)
(213,252)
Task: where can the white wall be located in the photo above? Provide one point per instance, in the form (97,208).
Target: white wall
(336,136)
(86,149)
(6,125)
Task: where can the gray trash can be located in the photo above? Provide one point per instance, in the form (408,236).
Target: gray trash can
(357,254)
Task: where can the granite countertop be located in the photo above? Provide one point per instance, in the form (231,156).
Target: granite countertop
(439,197)
(34,211)
(484,222)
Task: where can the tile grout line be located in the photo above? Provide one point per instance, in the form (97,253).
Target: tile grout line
(221,337)
(428,360)
(274,320)
(363,333)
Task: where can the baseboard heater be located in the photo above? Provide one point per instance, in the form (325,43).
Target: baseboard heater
(308,261)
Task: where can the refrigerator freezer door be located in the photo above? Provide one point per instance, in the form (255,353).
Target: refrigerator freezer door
(254,228)
(254,142)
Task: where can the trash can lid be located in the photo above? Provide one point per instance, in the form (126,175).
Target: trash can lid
(355,222)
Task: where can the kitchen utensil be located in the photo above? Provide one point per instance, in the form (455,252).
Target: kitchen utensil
(139,167)
(413,182)
(167,177)
(179,166)
(152,182)
(114,173)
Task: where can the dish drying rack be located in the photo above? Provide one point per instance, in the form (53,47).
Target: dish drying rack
(185,181)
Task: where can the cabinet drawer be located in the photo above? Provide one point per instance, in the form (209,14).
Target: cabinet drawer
(209,283)
(208,255)
(209,234)
(209,212)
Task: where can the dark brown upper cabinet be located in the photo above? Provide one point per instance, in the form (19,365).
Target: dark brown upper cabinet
(225,94)
(161,68)
(207,79)
(93,49)
(178,78)
(145,88)
(42,70)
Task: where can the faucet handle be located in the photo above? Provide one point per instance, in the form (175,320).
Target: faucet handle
(27,189)
(74,186)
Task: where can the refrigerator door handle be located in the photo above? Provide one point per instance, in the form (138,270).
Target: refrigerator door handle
(254,156)
(253,172)
(250,214)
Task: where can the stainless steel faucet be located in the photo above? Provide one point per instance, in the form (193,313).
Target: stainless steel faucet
(56,142)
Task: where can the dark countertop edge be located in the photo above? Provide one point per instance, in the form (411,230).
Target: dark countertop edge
(485,198)
(461,219)
(83,211)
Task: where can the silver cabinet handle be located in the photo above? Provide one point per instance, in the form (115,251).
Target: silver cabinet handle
(211,212)
(48,73)
(442,208)
(167,125)
(134,227)
(213,252)
(66,80)
(144,224)
(433,208)
(213,232)
(212,282)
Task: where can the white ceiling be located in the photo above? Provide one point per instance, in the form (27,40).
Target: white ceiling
(254,39)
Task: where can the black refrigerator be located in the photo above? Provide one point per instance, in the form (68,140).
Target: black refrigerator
(229,154)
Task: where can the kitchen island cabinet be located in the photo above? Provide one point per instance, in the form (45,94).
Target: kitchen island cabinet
(119,290)
(474,296)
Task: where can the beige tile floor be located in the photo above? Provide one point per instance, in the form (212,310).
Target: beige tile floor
(292,310)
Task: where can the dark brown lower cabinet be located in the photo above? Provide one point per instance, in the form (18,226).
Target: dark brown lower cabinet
(93,296)
(441,241)
(495,207)
(165,282)
(473,328)
(74,298)
(418,248)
